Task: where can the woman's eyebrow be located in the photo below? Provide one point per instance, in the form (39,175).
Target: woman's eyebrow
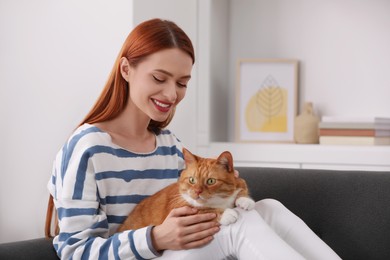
(171,75)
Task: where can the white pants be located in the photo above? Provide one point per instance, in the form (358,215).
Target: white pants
(270,231)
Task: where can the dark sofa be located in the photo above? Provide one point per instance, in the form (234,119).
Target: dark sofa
(349,210)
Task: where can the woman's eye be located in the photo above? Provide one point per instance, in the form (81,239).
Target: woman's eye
(159,80)
(183,85)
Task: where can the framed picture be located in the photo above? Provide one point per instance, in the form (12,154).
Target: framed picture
(267,97)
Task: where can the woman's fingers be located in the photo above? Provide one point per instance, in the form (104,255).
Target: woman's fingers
(184,229)
(199,234)
(198,218)
(186,216)
(182,211)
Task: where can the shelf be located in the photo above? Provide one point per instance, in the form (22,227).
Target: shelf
(231,30)
(309,156)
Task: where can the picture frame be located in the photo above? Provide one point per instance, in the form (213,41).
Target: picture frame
(266,100)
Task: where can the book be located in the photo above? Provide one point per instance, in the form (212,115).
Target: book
(353,132)
(354,140)
(354,119)
(353,125)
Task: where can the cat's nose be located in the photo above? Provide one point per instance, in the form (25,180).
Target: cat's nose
(198,191)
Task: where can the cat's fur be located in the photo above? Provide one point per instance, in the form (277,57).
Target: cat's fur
(210,185)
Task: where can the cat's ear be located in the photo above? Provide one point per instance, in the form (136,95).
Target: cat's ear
(226,159)
(188,156)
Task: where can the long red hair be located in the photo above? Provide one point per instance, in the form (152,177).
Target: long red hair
(147,38)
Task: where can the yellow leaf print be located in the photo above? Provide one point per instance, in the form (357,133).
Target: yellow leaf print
(266,111)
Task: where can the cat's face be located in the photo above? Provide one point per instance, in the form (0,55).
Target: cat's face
(208,182)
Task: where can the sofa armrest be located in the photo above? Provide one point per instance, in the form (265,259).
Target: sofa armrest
(34,249)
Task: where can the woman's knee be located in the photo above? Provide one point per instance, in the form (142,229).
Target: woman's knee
(269,206)
(277,216)
(272,211)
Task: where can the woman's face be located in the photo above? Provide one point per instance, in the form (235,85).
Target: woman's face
(159,82)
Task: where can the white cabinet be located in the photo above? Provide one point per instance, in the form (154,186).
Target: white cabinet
(305,156)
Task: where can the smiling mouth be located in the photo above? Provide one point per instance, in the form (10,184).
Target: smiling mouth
(161,106)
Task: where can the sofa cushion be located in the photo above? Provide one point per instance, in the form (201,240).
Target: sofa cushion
(349,210)
(34,249)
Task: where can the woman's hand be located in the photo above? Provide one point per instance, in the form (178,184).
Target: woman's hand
(184,229)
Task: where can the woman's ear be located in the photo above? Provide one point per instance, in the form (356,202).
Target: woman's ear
(125,68)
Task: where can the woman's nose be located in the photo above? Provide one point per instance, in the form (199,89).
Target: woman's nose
(170,92)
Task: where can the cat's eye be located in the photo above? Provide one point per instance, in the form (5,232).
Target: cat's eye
(192,180)
(211,181)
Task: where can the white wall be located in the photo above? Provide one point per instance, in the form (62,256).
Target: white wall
(55,57)
(342,45)
(184,14)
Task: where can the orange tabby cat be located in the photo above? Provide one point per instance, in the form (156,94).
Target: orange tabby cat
(207,184)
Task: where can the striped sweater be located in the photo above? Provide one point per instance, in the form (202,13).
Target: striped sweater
(96,183)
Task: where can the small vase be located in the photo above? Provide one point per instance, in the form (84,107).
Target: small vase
(306,126)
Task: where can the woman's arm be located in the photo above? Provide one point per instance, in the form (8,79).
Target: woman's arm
(84,234)
(84,223)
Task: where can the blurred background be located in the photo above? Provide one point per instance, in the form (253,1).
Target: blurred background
(55,56)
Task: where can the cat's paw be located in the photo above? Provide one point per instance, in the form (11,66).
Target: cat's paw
(228,217)
(245,203)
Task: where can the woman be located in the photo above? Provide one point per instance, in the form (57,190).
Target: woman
(122,152)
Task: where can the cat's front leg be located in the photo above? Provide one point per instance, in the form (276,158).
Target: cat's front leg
(245,203)
(228,217)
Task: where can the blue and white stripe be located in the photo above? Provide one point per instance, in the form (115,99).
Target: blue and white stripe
(95,184)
